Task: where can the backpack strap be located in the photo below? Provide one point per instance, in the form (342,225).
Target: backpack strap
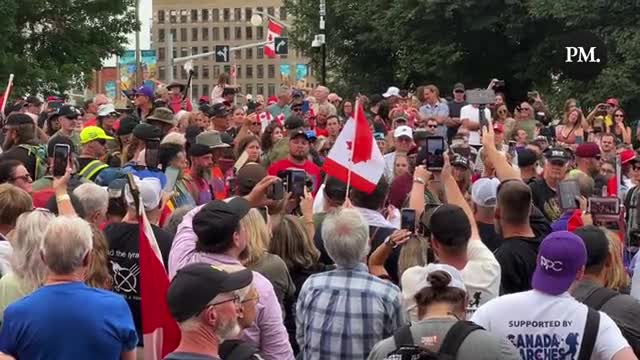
(456,336)
(598,298)
(403,337)
(590,334)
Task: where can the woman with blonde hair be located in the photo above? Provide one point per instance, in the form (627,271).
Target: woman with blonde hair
(28,270)
(98,275)
(257,257)
(616,276)
(571,132)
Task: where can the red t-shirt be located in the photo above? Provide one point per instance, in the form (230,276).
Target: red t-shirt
(312,169)
(321,132)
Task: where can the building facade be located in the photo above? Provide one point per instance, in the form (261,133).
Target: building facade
(198,26)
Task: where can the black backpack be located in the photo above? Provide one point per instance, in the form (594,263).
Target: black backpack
(238,350)
(451,343)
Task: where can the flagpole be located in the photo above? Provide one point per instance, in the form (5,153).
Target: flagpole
(353,146)
(6,94)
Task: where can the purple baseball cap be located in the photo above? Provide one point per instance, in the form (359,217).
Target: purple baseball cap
(560,256)
(145,91)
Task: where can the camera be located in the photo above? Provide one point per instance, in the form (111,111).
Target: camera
(294,182)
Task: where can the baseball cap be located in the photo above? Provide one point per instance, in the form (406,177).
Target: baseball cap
(220,218)
(391,91)
(68,111)
(484,192)
(613,102)
(596,243)
(146,131)
(218,110)
(248,176)
(195,285)
(526,157)
(560,256)
(458,86)
(557,154)
(378,136)
(108,110)
(293,122)
(440,225)
(497,127)
(298,132)
(403,131)
(145,91)
(203,99)
(459,160)
(127,125)
(211,138)
(627,156)
(18,119)
(91,133)
(588,150)
(150,189)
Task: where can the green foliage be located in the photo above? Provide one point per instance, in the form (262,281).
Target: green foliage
(49,44)
(374,44)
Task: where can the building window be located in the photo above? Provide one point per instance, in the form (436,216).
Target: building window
(248,13)
(238,32)
(194,15)
(205,71)
(259,53)
(249,54)
(271,89)
(259,33)
(260,71)
(174,53)
(195,72)
(205,90)
(259,9)
(160,16)
(237,54)
(271,11)
(226,33)
(271,71)
(183,34)
(249,33)
(238,72)
(260,89)
(249,72)
(249,88)
(173,16)
(205,34)
(183,16)
(175,71)
(215,34)
(183,73)
(237,14)
(283,13)
(283,56)
(161,54)
(226,14)
(161,35)
(216,70)
(215,15)
(205,15)
(162,72)
(194,50)
(184,52)
(194,91)
(205,49)
(194,34)
(174,35)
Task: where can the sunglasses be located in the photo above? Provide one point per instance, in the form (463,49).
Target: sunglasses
(26,178)
(432,126)
(102,141)
(459,91)
(619,115)
(296,109)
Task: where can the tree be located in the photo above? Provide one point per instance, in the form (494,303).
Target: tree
(379,43)
(53,45)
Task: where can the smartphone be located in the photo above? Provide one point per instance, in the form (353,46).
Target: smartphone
(408,219)
(276,191)
(305,106)
(60,159)
(604,206)
(435,152)
(579,140)
(296,180)
(232,185)
(152,148)
(512,148)
(172,176)
(568,191)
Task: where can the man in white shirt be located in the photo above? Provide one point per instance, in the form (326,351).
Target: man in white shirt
(470,116)
(547,322)
(403,140)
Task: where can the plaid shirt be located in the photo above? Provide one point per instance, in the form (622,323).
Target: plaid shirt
(342,314)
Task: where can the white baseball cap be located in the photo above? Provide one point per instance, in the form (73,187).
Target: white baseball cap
(150,192)
(484,192)
(391,91)
(403,130)
(415,279)
(106,110)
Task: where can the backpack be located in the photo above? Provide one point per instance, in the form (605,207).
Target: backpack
(39,152)
(598,298)
(238,350)
(448,348)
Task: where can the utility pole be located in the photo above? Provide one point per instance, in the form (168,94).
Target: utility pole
(170,59)
(138,67)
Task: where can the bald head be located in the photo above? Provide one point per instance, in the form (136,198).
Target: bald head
(514,202)
(321,93)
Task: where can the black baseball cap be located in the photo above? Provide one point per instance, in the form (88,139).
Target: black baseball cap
(557,155)
(127,125)
(218,110)
(68,111)
(596,242)
(440,225)
(19,119)
(293,122)
(146,131)
(195,285)
(248,176)
(526,157)
(298,132)
(216,222)
(59,139)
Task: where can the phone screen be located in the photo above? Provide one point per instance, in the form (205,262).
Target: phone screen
(151,153)
(435,151)
(579,140)
(568,191)
(276,192)
(408,220)
(60,159)
(172,176)
(296,181)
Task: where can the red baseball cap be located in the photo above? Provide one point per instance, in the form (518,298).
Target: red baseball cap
(613,102)
(497,127)
(627,155)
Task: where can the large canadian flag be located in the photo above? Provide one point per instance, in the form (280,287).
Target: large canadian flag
(274,31)
(355,156)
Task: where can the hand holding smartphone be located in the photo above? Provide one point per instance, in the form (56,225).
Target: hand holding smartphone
(435,153)
(408,220)
(61,153)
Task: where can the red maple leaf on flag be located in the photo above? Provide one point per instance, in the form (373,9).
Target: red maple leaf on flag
(349,144)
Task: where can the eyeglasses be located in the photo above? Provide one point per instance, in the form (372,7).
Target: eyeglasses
(26,177)
(235,299)
(432,126)
(256,298)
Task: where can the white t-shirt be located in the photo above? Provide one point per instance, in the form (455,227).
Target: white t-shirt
(543,326)
(473,114)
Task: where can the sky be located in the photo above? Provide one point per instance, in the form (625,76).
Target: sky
(145,31)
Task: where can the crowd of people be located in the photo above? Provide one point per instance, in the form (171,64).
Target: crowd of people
(522,244)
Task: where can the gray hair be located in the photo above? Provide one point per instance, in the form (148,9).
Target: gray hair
(345,235)
(93,198)
(26,262)
(231,268)
(66,242)
(171,226)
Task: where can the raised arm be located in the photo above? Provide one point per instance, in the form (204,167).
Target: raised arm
(455,197)
(504,170)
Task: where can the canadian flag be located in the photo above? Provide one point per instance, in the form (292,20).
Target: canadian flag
(4,99)
(265,119)
(274,31)
(356,151)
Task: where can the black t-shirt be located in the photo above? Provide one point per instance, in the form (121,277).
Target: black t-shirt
(124,252)
(545,199)
(21,154)
(517,259)
(454,112)
(489,236)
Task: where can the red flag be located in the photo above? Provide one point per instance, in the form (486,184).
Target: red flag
(274,30)
(160,331)
(5,94)
(363,140)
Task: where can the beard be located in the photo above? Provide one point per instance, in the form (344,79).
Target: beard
(299,157)
(228,328)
